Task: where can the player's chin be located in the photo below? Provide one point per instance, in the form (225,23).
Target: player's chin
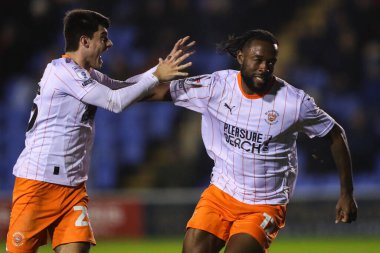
(98,62)
(98,65)
(259,82)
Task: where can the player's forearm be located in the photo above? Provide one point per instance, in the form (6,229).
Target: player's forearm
(118,100)
(117,84)
(160,92)
(121,99)
(341,155)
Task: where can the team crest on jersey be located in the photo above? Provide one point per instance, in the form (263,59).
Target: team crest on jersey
(272,117)
(18,239)
(81,73)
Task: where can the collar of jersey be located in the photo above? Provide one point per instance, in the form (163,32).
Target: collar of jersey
(68,57)
(252,96)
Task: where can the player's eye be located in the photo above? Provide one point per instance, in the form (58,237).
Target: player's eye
(104,39)
(272,62)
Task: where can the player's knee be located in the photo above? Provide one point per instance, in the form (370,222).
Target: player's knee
(79,247)
(241,243)
(198,241)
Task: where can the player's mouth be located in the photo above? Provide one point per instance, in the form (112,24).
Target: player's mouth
(260,77)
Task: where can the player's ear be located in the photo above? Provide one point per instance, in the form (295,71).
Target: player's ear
(240,57)
(84,41)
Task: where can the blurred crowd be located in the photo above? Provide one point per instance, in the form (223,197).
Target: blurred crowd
(336,59)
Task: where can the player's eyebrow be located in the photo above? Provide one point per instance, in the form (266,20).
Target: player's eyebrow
(261,56)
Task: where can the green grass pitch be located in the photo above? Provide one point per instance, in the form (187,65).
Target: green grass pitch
(281,245)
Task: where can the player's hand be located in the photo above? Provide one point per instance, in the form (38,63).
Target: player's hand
(171,67)
(346,209)
(181,45)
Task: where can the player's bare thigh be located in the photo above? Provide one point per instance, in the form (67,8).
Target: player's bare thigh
(75,247)
(243,243)
(199,241)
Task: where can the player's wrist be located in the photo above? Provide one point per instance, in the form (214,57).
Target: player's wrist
(346,191)
(157,76)
(155,79)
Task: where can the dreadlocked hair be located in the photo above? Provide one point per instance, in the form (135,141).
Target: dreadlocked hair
(235,43)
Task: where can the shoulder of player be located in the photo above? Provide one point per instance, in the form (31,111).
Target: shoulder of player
(281,83)
(222,82)
(227,76)
(208,80)
(63,66)
(66,68)
(225,73)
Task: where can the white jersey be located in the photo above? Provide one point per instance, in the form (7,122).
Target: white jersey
(252,139)
(61,128)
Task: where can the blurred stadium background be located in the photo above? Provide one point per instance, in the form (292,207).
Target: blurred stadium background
(149,165)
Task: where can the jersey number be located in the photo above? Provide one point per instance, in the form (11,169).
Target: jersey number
(89,115)
(268,224)
(33,116)
(80,222)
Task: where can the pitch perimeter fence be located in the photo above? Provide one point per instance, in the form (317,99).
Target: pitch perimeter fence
(141,213)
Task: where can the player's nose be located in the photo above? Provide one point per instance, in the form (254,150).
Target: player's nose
(109,43)
(264,67)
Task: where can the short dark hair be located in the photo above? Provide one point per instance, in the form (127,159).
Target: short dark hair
(235,43)
(80,22)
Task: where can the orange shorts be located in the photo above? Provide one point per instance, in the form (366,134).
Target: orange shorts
(41,210)
(223,216)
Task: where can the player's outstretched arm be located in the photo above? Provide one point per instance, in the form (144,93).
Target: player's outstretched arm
(143,86)
(346,208)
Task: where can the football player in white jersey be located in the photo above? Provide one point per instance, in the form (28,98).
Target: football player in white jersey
(49,197)
(250,123)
